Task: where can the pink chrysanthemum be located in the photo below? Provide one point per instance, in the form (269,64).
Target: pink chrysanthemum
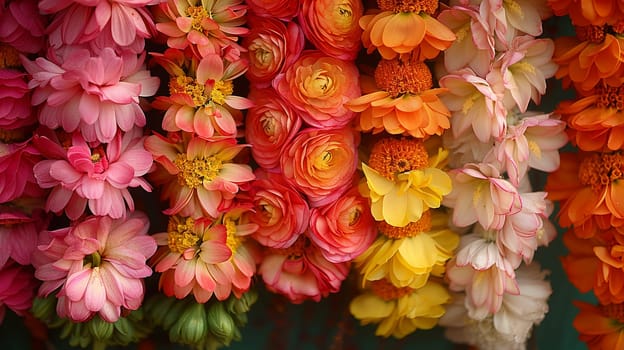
(15,108)
(96,94)
(206,257)
(19,231)
(95,174)
(17,288)
(199,177)
(22,27)
(16,166)
(96,266)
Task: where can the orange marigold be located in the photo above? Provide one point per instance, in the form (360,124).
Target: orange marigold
(600,326)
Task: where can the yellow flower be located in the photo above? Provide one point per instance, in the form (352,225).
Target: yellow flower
(407,256)
(400,311)
(403,182)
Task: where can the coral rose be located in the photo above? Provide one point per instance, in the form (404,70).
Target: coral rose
(321,163)
(332,26)
(273,47)
(270,124)
(284,10)
(343,229)
(319,86)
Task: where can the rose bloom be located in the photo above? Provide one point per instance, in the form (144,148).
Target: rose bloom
(332,26)
(22,26)
(283,10)
(16,166)
(17,288)
(319,86)
(321,163)
(269,125)
(273,46)
(280,212)
(15,110)
(343,229)
(96,266)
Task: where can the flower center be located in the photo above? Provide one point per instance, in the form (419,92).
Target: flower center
(417,6)
(593,34)
(599,170)
(13,136)
(233,241)
(343,15)
(354,216)
(513,7)
(410,230)
(324,160)
(387,291)
(94,260)
(187,85)
(613,311)
(9,56)
(390,156)
(197,14)
(99,160)
(194,172)
(403,75)
(610,97)
(181,234)
(221,90)
(268,125)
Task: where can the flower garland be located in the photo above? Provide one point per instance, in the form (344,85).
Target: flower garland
(587,183)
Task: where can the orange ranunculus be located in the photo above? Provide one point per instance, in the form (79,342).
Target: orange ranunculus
(332,26)
(321,163)
(596,121)
(394,32)
(318,86)
(273,47)
(269,125)
(589,12)
(593,55)
(600,326)
(406,104)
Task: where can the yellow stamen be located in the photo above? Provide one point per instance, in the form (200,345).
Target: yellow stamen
(514,7)
(470,100)
(535,149)
(233,241)
(181,234)
(417,6)
(601,169)
(387,291)
(197,14)
(412,229)
(391,156)
(404,74)
(187,85)
(221,90)
(194,172)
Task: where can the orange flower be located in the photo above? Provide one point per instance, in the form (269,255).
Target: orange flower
(580,265)
(406,104)
(589,12)
(602,326)
(405,26)
(596,121)
(596,53)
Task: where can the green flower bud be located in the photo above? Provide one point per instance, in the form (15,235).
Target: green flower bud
(100,329)
(190,328)
(242,305)
(221,324)
(44,308)
(158,307)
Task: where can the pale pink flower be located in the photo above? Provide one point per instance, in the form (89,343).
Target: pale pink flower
(19,230)
(22,26)
(343,229)
(200,177)
(16,170)
(207,27)
(96,266)
(92,173)
(479,194)
(201,97)
(283,10)
(280,212)
(474,104)
(269,125)
(300,272)
(15,108)
(93,94)
(465,148)
(80,21)
(206,257)
(17,288)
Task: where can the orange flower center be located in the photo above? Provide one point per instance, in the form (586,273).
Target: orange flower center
(295,251)
(181,234)
(387,291)
(233,241)
(9,56)
(198,14)
(194,172)
(390,156)
(618,27)
(593,34)
(403,75)
(613,311)
(396,6)
(412,229)
(600,169)
(610,97)
(198,92)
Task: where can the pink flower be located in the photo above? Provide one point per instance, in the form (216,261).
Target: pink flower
(332,26)
(16,166)
(321,163)
(207,27)
(206,257)
(95,174)
(343,229)
(22,27)
(96,266)
(19,230)
(200,177)
(80,21)
(479,194)
(300,272)
(283,10)
(201,98)
(318,86)
(273,47)
(93,94)
(17,288)
(279,211)
(269,125)
(15,108)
